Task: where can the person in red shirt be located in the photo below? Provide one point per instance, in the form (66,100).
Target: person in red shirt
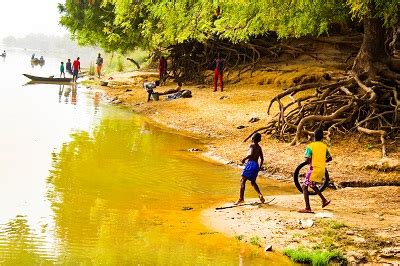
(162,69)
(219,72)
(76,65)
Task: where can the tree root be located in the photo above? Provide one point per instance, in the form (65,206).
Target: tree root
(191,59)
(352,103)
(381,133)
(133,61)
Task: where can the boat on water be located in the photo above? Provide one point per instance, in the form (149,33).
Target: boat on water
(37,61)
(48,79)
(3,55)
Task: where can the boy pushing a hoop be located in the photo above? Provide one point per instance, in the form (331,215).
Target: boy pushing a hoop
(317,155)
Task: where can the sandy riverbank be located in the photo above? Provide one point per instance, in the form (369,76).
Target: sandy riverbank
(352,223)
(364,222)
(214,117)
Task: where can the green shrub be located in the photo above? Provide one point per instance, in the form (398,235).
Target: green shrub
(256,241)
(315,257)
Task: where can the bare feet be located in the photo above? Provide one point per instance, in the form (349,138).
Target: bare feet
(325,203)
(305,211)
(261,198)
(238,202)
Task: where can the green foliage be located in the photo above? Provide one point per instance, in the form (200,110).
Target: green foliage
(331,234)
(387,10)
(92,70)
(256,241)
(123,25)
(331,223)
(120,64)
(316,257)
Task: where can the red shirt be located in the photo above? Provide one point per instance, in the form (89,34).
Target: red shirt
(76,65)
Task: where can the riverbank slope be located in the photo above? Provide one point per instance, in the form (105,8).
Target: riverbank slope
(361,222)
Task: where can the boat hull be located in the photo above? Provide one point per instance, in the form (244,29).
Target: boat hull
(50,80)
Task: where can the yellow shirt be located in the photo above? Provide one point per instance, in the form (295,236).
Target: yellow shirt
(318,152)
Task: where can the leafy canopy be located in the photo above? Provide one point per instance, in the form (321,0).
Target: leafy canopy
(121,25)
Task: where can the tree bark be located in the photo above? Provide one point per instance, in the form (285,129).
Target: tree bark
(372,50)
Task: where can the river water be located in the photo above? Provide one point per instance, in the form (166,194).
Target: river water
(83,182)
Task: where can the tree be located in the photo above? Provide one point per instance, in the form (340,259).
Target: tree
(98,23)
(366,100)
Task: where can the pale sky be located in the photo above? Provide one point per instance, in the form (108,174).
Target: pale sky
(21,17)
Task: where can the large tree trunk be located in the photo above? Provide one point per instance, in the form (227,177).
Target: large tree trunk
(372,50)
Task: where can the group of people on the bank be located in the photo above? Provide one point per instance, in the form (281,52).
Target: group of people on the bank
(74,68)
(218,65)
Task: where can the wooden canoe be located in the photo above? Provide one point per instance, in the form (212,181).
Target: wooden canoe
(48,79)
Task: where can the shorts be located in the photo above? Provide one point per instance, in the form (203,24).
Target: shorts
(250,170)
(313,177)
(75,73)
(307,181)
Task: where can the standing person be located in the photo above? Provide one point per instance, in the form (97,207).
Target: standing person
(149,87)
(317,154)
(68,66)
(99,63)
(219,72)
(76,68)
(62,70)
(251,168)
(162,69)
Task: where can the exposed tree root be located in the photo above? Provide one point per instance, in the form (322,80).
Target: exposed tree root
(191,59)
(133,61)
(381,133)
(352,103)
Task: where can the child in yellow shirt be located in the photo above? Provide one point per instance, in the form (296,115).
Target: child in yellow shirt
(317,154)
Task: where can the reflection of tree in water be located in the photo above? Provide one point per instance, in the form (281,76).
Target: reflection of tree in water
(103,198)
(92,207)
(18,245)
(67,91)
(60,92)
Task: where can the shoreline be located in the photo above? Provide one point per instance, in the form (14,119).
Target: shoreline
(188,117)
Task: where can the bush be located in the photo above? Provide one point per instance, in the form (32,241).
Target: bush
(316,257)
(256,241)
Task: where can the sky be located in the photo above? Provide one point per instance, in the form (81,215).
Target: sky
(21,17)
